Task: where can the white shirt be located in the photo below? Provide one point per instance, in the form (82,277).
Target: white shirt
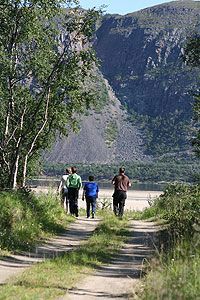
(63,182)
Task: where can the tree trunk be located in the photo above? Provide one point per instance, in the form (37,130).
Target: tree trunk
(24,171)
(15,173)
(35,138)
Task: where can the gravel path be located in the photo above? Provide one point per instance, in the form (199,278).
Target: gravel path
(118,279)
(73,237)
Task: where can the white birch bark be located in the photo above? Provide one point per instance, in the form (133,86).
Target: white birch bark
(35,138)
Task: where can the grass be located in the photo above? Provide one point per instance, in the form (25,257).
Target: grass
(53,278)
(175,274)
(142,215)
(26,218)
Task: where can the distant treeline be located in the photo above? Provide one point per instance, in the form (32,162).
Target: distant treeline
(168,171)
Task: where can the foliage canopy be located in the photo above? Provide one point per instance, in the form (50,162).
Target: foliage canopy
(45,59)
(192,58)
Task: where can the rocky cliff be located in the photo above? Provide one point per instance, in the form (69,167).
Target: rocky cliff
(141,58)
(105,136)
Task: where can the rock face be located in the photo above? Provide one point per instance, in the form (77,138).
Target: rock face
(141,56)
(141,59)
(104,137)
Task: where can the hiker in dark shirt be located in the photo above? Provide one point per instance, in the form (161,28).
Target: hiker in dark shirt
(121,183)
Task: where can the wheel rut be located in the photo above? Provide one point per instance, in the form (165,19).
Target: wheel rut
(118,279)
(76,233)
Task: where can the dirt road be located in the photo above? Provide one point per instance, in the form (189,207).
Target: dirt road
(74,236)
(116,280)
(119,279)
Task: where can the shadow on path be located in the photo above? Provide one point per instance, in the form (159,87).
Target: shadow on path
(77,233)
(117,280)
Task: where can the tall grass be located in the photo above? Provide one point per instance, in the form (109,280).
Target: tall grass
(175,274)
(25,217)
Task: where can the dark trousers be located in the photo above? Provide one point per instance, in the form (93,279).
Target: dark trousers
(90,203)
(64,198)
(73,201)
(119,198)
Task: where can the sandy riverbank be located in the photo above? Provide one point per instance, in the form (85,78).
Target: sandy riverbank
(136,200)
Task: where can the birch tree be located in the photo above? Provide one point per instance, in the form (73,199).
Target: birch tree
(45,58)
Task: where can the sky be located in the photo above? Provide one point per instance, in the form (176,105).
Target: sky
(121,6)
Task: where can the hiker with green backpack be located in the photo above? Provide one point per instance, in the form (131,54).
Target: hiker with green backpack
(74,183)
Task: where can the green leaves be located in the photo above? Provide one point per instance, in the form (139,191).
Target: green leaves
(192,51)
(181,207)
(45,58)
(192,58)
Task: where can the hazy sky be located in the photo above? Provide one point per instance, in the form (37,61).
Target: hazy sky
(121,6)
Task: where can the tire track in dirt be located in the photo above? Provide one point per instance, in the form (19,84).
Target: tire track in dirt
(118,279)
(76,233)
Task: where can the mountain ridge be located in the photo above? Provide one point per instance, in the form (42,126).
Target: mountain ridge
(141,61)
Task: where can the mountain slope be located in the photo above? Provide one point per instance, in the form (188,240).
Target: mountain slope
(141,55)
(141,58)
(104,137)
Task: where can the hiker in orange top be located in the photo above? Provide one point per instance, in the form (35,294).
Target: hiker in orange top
(121,183)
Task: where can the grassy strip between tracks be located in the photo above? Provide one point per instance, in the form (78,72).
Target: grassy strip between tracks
(52,278)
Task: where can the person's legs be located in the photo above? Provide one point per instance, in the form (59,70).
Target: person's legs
(122,199)
(62,198)
(66,203)
(71,200)
(93,204)
(88,207)
(115,203)
(76,202)
(115,208)
(65,199)
(71,206)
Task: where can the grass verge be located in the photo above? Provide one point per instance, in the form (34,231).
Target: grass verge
(175,275)
(26,218)
(53,278)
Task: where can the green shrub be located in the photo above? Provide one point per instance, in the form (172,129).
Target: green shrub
(180,205)
(24,218)
(175,275)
